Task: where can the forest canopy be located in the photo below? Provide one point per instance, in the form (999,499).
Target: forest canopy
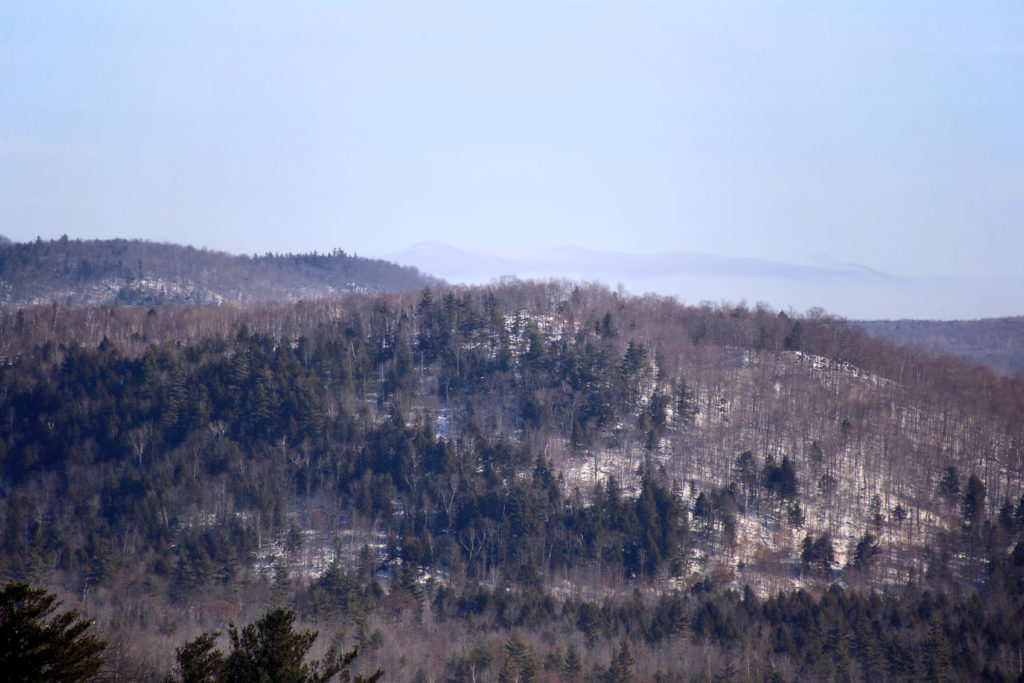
(521,478)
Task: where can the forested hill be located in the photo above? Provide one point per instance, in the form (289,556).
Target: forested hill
(994,342)
(94,272)
(524,481)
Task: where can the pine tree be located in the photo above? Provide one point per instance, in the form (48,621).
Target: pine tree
(268,650)
(39,644)
(281,592)
(525,661)
(509,671)
(573,668)
(973,502)
(936,656)
(199,661)
(271,650)
(622,663)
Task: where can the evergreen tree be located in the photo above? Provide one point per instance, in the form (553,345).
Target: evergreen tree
(199,661)
(525,661)
(509,671)
(973,502)
(620,670)
(281,592)
(865,552)
(271,650)
(949,484)
(38,643)
(573,668)
(936,655)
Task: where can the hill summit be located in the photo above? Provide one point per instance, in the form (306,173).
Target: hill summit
(118,271)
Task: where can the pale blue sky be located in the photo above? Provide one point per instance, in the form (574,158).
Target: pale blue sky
(888,134)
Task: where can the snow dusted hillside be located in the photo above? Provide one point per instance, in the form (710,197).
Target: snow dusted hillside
(867,450)
(590,466)
(133,272)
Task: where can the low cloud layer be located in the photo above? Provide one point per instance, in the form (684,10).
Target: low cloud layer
(846,289)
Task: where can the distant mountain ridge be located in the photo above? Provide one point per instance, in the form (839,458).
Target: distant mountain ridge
(572,262)
(137,272)
(857,291)
(848,289)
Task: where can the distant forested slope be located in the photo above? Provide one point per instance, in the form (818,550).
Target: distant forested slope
(524,481)
(118,272)
(994,342)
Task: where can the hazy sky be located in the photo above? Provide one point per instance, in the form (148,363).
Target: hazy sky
(888,134)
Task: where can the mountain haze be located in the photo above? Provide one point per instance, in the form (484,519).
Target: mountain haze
(473,265)
(852,290)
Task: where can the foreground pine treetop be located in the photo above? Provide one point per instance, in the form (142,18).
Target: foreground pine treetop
(39,642)
(268,650)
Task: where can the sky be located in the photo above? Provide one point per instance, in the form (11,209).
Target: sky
(886,136)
